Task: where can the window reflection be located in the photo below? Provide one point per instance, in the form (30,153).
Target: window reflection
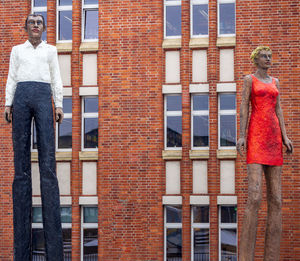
(65,25)
(200,19)
(227,18)
(173,20)
(91,24)
(174,244)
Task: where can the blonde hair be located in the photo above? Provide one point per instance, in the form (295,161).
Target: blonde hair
(257,50)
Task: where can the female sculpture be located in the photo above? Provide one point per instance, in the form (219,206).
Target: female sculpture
(266,133)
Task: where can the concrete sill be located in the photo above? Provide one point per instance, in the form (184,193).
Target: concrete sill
(227,154)
(89,47)
(226,41)
(88,155)
(59,155)
(172,154)
(64,47)
(199,42)
(171,43)
(199,154)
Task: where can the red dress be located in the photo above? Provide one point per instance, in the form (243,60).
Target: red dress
(264,142)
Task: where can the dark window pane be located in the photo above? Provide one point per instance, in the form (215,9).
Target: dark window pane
(91,24)
(37,216)
(200,131)
(90,244)
(200,102)
(37,3)
(34,140)
(201,214)
(174,131)
(174,244)
(227,101)
(65,2)
(200,19)
(227,18)
(90,215)
(228,244)
(65,25)
(67,241)
(91,133)
(228,214)
(173,20)
(65,134)
(173,214)
(44,14)
(228,130)
(90,104)
(67,104)
(38,245)
(174,103)
(90,2)
(201,244)
(66,214)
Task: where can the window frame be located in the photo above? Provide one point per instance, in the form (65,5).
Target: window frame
(171,3)
(90,7)
(218,15)
(226,112)
(198,113)
(58,9)
(198,2)
(171,113)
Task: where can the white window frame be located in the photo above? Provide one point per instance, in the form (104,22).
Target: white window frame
(198,2)
(37,8)
(226,2)
(198,113)
(171,113)
(169,225)
(227,226)
(171,3)
(198,225)
(58,9)
(84,226)
(90,7)
(226,112)
(66,116)
(84,116)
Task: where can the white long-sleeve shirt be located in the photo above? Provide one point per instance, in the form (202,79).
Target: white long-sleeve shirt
(38,64)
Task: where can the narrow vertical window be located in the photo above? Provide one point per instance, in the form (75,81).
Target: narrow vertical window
(228,233)
(227,120)
(173,233)
(226,17)
(64,130)
(172,18)
(173,122)
(33,137)
(64,20)
(40,7)
(200,121)
(90,20)
(200,233)
(199,14)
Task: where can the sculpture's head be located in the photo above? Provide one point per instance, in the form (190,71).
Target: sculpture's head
(263,53)
(35,25)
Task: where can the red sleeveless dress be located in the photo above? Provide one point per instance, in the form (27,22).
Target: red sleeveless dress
(264,141)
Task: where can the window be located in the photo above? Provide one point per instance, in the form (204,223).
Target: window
(228,233)
(38,241)
(200,121)
(227,120)
(200,233)
(199,15)
(64,130)
(40,7)
(173,233)
(90,20)
(172,18)
(33,137)
(89,234)
(64,20)
(90,123)
(226,17)
(173,122)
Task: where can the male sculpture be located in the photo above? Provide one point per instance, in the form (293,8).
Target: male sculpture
(33,79)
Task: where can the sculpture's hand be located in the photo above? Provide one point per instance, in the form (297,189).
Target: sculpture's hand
(8,114)
(59,115)
(289,145)
(241,146)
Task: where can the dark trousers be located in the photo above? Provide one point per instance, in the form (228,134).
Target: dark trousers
(33,100)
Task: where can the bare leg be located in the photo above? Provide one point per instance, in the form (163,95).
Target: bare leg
(248,235)
(273,230)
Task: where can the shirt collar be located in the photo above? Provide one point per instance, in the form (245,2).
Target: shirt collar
(28,44)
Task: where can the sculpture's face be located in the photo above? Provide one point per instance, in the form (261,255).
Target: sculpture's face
(35,26)
(264,59)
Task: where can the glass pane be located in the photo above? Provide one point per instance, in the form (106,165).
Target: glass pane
(201,244)
(65,25)
(174,244)
(65,2)
(34,140)
(66,214)
(227,18)
(174,103)
(201,214)
(38,245)
(90,215)
(90,2)
(91,24)
(90,104)
(228,244)
(173,214)
(44,14)
(227,101)
(67,241)
(37,216)
(200,102)
(91,133)
(200,19)
(67,104)
(173,20)
(65,134)
(37,3)
(227,130)
(174,131)
(200,131)
(228,214)
(90,244)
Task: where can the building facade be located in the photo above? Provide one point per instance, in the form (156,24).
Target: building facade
(146,156)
